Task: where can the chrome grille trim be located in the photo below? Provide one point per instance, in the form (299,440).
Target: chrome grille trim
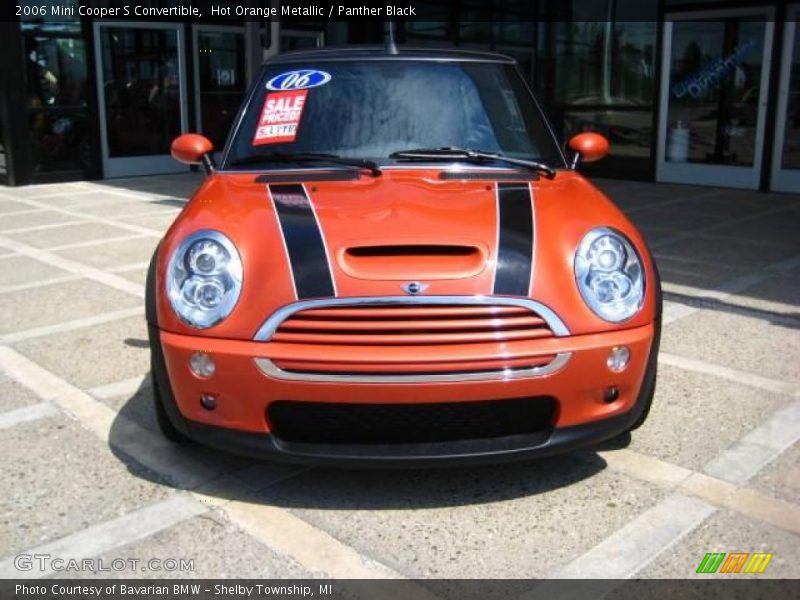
(269,368)
(268,328)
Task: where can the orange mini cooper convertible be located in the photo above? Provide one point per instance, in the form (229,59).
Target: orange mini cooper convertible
(393,262)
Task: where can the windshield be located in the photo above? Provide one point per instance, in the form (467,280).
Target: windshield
(371,109)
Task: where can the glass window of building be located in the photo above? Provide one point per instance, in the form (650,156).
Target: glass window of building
(791,148)
(56,96)
(221,81)
(603,79)
(714,85)
(141,90)
(3,160)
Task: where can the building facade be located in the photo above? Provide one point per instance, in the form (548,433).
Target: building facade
(687,92)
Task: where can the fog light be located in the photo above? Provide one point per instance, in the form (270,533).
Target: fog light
(208,402)
(202,365)
(618,358)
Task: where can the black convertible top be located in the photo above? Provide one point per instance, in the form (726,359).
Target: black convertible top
(380,53)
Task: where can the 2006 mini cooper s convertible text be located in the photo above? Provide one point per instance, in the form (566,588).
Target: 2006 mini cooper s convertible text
(393,262)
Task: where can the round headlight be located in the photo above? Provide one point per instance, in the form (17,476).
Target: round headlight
(204,278)
(609,275)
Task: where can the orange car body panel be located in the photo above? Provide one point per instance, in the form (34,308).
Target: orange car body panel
(244,392)
(402,207)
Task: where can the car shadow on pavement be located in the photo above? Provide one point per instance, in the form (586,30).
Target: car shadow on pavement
(231,477)
(783,319)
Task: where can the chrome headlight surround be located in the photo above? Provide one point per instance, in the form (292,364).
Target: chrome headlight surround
(204,278)
(609,275)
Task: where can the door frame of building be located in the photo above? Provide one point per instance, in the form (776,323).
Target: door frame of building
(197,29)
(319,36)
(703,174)
(130,166)
(784,180)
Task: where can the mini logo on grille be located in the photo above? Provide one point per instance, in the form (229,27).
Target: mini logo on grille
(414,287)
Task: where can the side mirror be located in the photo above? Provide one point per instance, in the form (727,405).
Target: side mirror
(588,147)
(193,149)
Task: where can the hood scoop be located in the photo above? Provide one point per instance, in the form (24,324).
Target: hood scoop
(404,262)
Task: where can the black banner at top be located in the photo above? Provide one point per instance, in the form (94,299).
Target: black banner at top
(321,11)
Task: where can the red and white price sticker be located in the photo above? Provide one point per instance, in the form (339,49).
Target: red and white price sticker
(280,117)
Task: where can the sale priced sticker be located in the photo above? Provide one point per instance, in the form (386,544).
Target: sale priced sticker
(280,117)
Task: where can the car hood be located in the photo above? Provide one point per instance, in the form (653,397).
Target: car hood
(407,231)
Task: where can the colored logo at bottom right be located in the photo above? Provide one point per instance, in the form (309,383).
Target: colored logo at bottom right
(734,562)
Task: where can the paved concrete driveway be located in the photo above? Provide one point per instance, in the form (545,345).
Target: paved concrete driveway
(84,472)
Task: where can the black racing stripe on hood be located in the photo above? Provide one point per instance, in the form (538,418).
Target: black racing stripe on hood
(304,243)
(515,239)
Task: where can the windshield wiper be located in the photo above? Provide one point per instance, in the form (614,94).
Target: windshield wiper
(450,153)
(300,157)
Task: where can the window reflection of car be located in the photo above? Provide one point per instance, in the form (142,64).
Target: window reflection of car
(135,109)
(58,121)
(745,106)
(625,121)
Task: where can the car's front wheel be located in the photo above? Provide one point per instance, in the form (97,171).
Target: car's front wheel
(162,418)
(646,411)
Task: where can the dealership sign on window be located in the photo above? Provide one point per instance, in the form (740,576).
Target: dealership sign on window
(711,73)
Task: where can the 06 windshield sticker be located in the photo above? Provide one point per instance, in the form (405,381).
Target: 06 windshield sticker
(280,117)
(301,79)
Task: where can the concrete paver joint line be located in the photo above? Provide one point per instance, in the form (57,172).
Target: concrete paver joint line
(716,491)
(65,326)
(26,414)
(20,287)
(46,227)
(149,449)
(102,537)
(118,388)
(744,501)
(99,242)
(734,375)
(16,213)
(673,312)
(129,267)
(759,447)
(719,224)
(671,201)
(734,466)
(635,545)
(73,212)
(276,527)
(74,267)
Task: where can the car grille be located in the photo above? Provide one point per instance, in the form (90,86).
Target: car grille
(340,423)
(416,325)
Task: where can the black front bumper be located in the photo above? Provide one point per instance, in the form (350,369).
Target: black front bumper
(493,450)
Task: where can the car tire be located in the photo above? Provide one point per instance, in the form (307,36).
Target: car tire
(162,418)
(649,403)
(623,439)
